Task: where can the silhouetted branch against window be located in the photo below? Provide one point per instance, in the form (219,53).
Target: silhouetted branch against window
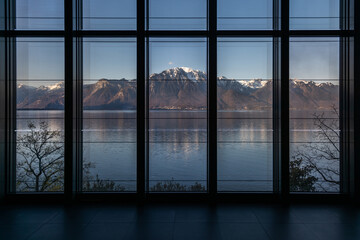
(319,159)
(40,162)
(41,166)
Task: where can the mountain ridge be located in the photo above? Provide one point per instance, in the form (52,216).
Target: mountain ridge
(181,88)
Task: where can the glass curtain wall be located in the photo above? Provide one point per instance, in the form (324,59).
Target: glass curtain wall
(177,105)
(177,55)
(314,114)
(109,114)
(39,130)
(245,125)
(39,15)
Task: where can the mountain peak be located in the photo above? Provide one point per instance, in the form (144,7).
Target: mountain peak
(58,85)
(186,69)
(183,69)
(102,83)
(254,83)
(183,73)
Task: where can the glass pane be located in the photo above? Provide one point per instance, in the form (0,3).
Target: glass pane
(245,131)
(40,14)
(315,14)
(109,114)
(109,14)
(177,15)
(40,115)
(178,112)
(245,14)
(314,115)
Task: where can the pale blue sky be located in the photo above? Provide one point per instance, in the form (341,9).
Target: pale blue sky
(116,59)
(111,58)
(167,53)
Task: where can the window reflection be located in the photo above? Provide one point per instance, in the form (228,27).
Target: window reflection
(109,114)
(177,115)
(314,115)
(311,15)
(40,14)
(245,14)
(39,115)
(244,83)
(177,15)
(109,14)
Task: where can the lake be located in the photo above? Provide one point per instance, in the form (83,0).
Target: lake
(178,145)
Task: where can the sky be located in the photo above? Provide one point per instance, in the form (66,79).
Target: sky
(237,58)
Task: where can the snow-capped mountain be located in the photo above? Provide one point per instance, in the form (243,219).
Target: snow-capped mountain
(59,85)
(181,88)
(180,73)
(254,83)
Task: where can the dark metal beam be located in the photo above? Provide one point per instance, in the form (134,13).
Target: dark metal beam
(2,118)
(212,100)
(141,143)
(284,104)
(69,186)
(2,103)
(356,67)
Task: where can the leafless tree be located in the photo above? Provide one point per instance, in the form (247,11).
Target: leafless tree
(41,165)
(323,154)
(40,162)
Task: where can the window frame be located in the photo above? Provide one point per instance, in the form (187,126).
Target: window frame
(281,33)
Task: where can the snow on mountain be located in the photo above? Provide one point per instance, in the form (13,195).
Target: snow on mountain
(182,73)
(311,82)
(56,86)
(24,86)
(181,88)
(254,83)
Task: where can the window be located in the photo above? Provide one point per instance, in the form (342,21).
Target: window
(177,15)
(319,14)
(39,14)
(109,15)
(188,98)
(245,148)
(177,92)
(314,114)
(109,114)
(40,102)
(245,14)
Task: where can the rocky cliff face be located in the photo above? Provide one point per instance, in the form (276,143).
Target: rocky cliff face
(182,88)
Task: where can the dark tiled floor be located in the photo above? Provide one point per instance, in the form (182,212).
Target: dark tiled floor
(180,221)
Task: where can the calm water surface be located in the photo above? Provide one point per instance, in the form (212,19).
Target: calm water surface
(178,145)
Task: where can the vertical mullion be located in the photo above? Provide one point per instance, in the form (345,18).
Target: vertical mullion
(10,68)
(2,103)
(78,95)
(276,100)
(141,167)
(78,112)
(284,105)
(69,104)
(346,102)
(357,99)
(342,112)
(276,115)
(343,102)
(147,98)
(78,84)
(212,99)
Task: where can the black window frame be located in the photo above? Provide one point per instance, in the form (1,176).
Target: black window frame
(350,102)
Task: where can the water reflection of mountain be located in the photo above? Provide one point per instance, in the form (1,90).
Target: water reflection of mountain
(178,145)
